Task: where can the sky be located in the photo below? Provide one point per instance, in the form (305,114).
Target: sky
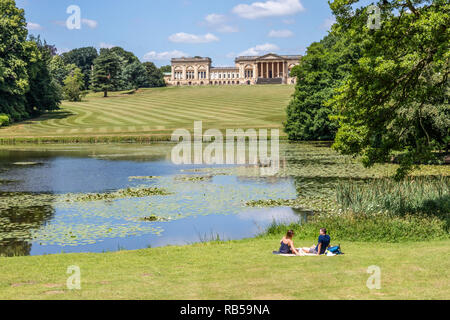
(158,30)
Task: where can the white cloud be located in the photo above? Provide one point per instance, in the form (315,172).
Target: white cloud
(104,45)
(90,23)
(280,33)
(328,22)
(183,37)
(167,55)
(33,26)
(214,18)
(269,8)
(227,29)
(217,22)
(260,49)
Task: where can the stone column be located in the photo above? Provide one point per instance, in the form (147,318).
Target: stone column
(184,73)
(173,74)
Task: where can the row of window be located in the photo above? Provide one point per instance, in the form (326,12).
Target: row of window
(178,75)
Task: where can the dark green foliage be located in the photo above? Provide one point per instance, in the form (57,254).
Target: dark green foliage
(135,76)
(166,69)
(83,58)
(324,67)
(155,75)
(26,86)
(14,51)
(396,101)
(73,85)
(107,72)
(44,93)
(59,70)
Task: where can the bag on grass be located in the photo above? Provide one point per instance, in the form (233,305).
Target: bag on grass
(335,250)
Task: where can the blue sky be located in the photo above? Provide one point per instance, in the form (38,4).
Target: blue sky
(157,30)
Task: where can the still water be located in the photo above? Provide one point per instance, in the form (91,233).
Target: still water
(37,219)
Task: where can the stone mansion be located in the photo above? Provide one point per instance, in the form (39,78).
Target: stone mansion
(267,69)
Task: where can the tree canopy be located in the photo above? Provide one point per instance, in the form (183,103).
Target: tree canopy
(324,67)
(396,100)
(26,86)
(83,58)
(106,74)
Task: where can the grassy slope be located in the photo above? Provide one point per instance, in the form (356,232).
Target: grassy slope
(157,112)
(234,270)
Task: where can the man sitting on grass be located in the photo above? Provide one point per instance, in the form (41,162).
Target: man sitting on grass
(322,246)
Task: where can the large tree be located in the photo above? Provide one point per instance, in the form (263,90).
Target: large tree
(396,101)
(324,67)
(27,87)
(60,70)
(14,51)
(107,72)
(83,58)
(135,76)
(155,76)
(44,93)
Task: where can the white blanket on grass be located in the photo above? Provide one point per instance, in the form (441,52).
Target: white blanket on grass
(304,254)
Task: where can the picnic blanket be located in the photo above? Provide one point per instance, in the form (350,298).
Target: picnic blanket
(302,254)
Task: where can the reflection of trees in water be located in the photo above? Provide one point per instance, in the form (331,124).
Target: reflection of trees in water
(16,227)
(303,215)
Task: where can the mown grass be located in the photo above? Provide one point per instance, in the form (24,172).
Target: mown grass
(234,270)
(153,114)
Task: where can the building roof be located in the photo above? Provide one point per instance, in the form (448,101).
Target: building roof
(191,59)
(252,58)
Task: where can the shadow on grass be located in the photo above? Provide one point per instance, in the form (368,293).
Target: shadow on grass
(51,115)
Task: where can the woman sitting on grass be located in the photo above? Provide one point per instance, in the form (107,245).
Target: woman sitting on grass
(287,245)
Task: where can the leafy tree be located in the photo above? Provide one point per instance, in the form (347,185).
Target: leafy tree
(59,70)
(83,58)
(396,100)
(324,67)
(107,72)
(127,56)
(44,93)
(73,85)
(155,76)
(135,76)
(14,51)
(165,69)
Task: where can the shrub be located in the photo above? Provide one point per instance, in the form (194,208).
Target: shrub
(4,120)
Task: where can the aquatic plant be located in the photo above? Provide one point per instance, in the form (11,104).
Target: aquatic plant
(414,195)
(119,194)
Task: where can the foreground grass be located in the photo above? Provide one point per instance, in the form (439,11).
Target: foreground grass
(235,270)
(153,114)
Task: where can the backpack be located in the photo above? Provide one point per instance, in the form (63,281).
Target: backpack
(335,250)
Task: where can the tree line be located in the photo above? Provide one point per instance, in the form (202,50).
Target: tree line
(379,93)
(34,78)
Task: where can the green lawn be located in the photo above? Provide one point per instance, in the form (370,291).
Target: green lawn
(158,112)
(235,270)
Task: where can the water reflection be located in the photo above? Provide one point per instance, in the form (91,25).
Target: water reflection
(17,225)
(198,210)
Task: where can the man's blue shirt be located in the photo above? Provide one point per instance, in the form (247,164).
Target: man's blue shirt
(325,241)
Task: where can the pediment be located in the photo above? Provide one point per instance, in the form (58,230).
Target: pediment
(270,56)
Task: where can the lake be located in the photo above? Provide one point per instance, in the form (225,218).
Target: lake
(41,211)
